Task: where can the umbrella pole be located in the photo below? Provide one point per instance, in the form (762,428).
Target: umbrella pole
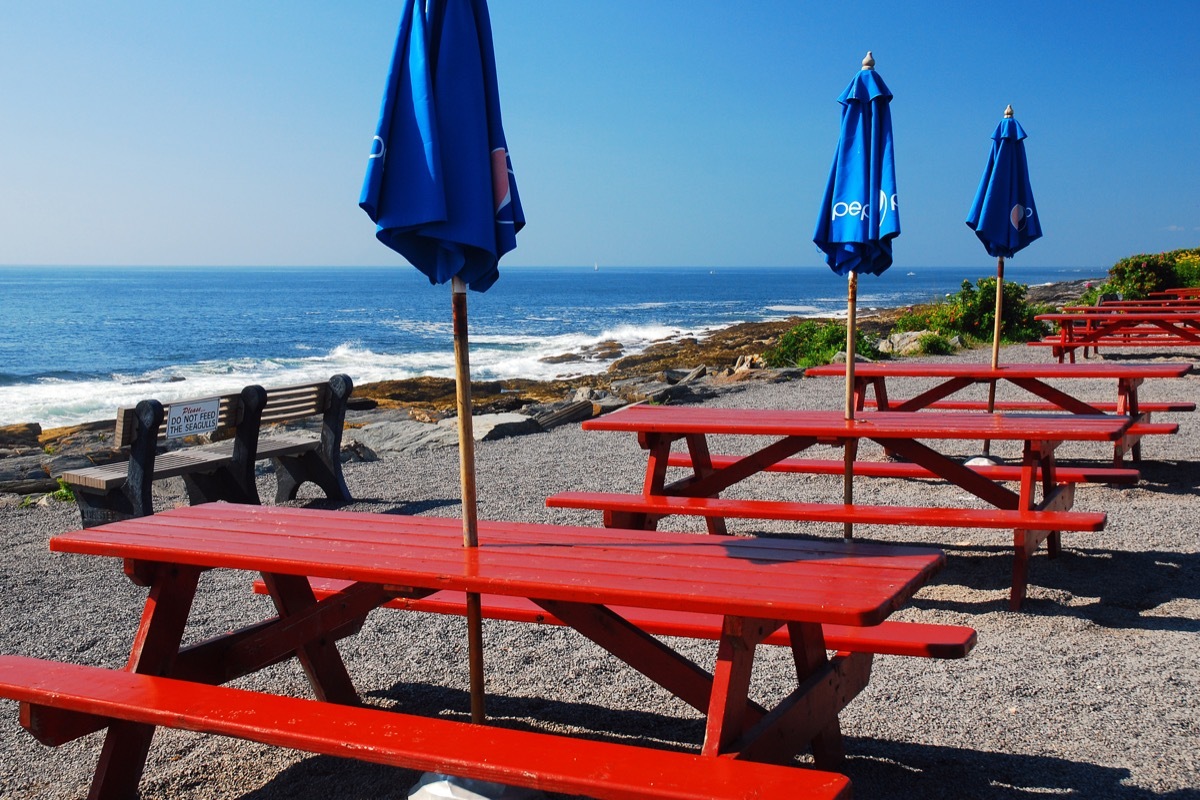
(850,447)
(466,465)
(991,407)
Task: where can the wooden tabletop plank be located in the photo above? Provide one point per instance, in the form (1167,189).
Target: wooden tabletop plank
(725,575)
(683,420)
(722,562)
(917,369)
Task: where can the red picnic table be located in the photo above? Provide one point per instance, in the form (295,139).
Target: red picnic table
(755,586)
(1097,326)
(1178,292)
(956,376)
(911,435)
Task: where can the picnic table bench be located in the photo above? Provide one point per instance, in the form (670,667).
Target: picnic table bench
(1031,519)
(955,377)
(1104,326)
(222,469)
(579,576)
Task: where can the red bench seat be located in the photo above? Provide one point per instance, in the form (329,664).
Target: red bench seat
(542,761)
(892,637)
(1036,405)
(667,505)
(904,469)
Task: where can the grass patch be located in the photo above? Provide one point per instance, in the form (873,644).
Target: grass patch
(812,343)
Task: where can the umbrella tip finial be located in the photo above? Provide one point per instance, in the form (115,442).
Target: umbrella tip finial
(1008,112)
(869,61)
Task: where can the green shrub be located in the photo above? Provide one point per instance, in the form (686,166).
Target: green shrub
(934,344)
(1187,268)
(1137,276)
(971,314)
(64,493)
(812,343)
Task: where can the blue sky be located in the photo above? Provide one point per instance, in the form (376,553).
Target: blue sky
(681,132)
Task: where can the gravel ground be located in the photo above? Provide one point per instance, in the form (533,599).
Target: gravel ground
(1093,690)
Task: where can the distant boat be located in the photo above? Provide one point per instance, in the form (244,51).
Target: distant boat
(912,273)
(595,266)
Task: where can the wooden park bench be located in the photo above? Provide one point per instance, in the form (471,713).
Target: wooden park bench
(222,469)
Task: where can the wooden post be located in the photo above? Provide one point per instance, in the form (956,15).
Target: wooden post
(466,465)
(999,317)
(991,406)
(850,447)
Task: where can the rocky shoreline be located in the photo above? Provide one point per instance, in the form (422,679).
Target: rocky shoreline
(396,415)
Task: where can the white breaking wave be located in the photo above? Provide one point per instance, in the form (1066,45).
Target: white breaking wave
(56,403)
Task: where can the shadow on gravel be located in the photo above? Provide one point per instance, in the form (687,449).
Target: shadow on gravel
(1170,477)
(593,721)
(1128,587)
(380,506)
(898,770)
(877,768)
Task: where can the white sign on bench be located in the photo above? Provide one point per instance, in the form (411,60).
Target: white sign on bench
(193,419)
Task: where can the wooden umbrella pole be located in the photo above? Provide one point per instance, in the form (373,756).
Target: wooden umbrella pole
(991,406)
(466,466)
(851,445)
(999,313)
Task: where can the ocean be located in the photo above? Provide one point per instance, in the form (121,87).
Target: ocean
(77,342)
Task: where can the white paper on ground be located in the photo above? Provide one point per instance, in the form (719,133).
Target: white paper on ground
(435,786)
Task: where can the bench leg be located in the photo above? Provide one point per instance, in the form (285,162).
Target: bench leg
(322,466)
(96,508)
(219,485)
(292,471)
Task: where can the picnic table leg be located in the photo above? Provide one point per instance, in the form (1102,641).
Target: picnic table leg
(320,659)
(809,655)
(1049,482)
(808,717)
(126,745)
(731,687)
(1127,404)
(1038,459)
(702,466)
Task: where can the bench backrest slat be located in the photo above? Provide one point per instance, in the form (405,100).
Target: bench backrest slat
(228,416)
(284,404)
(294,402)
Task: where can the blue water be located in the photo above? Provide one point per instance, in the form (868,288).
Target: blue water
(76,342)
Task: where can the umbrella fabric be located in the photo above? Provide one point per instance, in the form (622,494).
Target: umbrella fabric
(439,181)
(859,215)
(1003,214)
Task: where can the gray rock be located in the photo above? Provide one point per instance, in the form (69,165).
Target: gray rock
(681,377)
(604,405)
(355,452)
(21,435)
(489,427)
(638,390)
(26,475)
(840,358)
(748,362)
(562,413)
(405,436)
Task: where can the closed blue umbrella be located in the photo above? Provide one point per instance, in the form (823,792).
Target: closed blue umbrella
(859,214)
(1003,215)
(440,188)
